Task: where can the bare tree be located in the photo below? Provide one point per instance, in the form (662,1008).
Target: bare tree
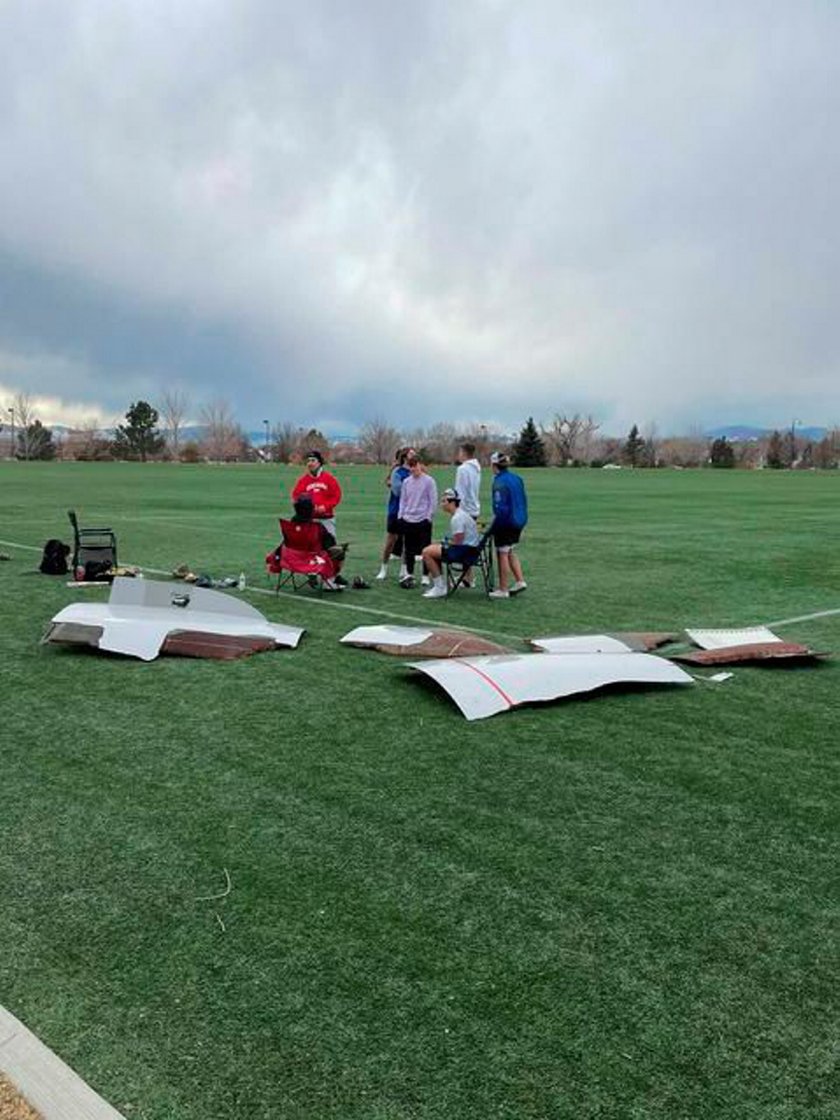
(24,412)
(173,410)
(284,440)
(441,442)
(570,438)
(221,435)
(378,440)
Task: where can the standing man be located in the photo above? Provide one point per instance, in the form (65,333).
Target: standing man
(322,488)
(510,516)
(468,480)
(393,541)
(418,501)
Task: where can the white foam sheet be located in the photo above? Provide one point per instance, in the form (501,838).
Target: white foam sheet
(140,614)
(581,643)
(485,686)
(723,639)
(386,636)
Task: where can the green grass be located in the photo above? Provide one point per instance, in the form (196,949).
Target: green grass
(618,906)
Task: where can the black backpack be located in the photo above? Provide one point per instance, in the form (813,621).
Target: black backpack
(54,560)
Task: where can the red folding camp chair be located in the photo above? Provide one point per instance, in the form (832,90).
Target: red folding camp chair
(300,559)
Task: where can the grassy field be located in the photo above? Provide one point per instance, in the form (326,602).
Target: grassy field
(623,906)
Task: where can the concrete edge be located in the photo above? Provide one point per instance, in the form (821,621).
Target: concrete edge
(44,1079)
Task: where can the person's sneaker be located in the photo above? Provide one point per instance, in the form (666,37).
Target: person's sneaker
(407,582)
(382,573)
(340,581)
(436,592)
(332,585)
(425,582)
(499,594)
(519,585)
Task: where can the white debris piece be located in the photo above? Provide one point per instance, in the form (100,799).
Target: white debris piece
(141,614)
(386,636)
(723,639)
(581,643)
(485,686)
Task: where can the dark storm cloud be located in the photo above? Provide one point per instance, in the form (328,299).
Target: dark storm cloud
(483,209)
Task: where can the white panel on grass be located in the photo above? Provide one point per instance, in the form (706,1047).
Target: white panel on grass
(581,643)
(723,639)
(141,613)
(485,686)
(386,636)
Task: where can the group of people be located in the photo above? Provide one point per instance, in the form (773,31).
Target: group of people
(412,505)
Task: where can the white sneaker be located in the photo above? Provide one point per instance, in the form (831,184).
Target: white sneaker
(425,582)
(499,594)
(517,586)
(382,573)
(436,592)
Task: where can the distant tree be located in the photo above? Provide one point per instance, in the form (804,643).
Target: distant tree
(37,442)
(775,456)
(139,437)
(827,451)
(634,448)
(529,449)
(221,437)
(173,408)
(441,443)
(24,413)
(570,438)
(722,453)
(378,440)
(190,452)
(284,441)
(313,440)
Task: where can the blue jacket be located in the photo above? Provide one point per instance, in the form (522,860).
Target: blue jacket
(510,504)
(398,476)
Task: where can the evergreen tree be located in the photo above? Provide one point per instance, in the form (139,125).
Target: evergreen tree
(634,447)
(722,453)
(776,456)
(529,449)
(138,437)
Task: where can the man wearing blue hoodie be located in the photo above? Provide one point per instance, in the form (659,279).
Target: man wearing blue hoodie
(510,516)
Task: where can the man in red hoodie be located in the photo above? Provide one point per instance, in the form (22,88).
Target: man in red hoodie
(322,488)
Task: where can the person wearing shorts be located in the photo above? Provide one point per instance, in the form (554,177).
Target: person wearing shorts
(458,546)
(510,516)
(393,540)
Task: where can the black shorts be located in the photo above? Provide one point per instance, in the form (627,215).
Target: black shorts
(458,553)
(393,525)
(506,536)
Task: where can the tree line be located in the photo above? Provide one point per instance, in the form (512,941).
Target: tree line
(159,431)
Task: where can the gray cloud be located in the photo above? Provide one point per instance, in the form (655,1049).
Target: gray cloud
(484,208)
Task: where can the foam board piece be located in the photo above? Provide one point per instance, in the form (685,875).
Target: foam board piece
(485,686)
(723,639)
(140,614)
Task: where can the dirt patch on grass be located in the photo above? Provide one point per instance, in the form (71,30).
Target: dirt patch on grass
(12,1104)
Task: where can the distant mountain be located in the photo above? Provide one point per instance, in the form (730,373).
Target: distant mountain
(744,433)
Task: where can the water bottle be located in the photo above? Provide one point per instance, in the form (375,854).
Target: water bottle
(241,581)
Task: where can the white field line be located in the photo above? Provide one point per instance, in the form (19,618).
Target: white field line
(328,603)
(332,602)
(426,621)
(802,618)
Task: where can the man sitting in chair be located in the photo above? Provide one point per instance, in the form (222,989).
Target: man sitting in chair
(463,536)
(304,513)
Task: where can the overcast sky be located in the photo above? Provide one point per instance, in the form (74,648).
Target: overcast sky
(466,209)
